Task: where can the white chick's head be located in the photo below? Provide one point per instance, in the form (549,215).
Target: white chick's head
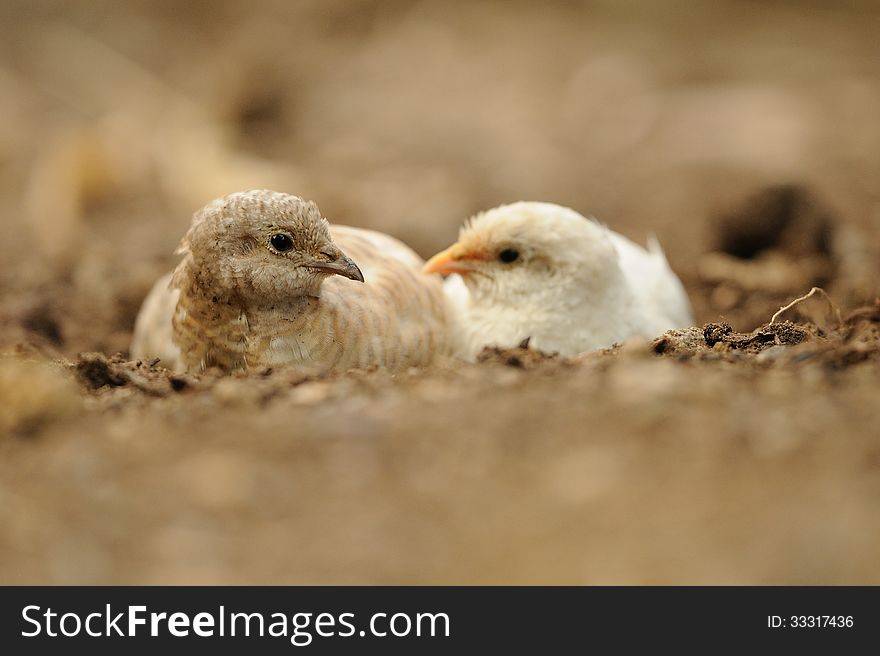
(528,253)
(262,247)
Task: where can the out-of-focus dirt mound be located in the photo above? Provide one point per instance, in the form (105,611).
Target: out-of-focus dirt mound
(706,455)
(776,243)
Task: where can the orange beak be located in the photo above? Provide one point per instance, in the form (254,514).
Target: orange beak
(452,260)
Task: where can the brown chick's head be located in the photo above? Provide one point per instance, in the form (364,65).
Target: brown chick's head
(263,247)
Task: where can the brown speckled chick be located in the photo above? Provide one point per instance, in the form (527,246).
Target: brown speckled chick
(266,281)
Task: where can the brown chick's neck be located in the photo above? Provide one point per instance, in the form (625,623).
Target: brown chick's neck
(209,330)
(213,329)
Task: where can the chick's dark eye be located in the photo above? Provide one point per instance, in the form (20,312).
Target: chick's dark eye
(508,255)
(281,243)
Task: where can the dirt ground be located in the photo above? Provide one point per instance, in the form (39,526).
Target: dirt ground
(745,135)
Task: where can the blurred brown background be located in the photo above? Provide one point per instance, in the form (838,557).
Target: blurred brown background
(118,120)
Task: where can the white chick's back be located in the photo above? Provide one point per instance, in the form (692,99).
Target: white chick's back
(654,285)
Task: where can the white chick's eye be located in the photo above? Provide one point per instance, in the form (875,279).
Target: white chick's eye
(281,242)
(508,255)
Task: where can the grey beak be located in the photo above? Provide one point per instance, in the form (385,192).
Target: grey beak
(341,266)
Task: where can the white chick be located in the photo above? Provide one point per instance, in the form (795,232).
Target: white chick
(567,284)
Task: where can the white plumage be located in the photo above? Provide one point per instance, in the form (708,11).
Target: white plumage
(566,283)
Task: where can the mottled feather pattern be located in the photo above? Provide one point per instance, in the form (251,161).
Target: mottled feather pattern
(232,303)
